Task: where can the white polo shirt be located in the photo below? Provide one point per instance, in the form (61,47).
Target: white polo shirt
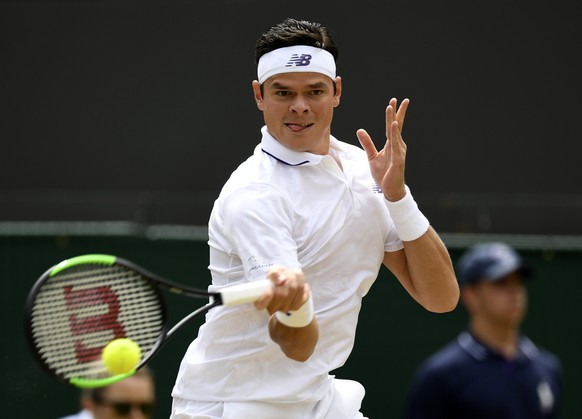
(282,207)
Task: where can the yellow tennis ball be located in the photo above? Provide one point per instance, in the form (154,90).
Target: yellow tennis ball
(121,356)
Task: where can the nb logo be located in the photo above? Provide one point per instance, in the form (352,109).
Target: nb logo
(299,60)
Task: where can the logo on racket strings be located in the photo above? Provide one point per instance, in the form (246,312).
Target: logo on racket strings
(82,304)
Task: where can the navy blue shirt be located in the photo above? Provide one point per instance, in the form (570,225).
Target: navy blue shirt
(467,380)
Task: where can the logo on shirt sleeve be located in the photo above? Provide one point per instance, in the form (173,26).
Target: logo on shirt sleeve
(258,263)
(376,188)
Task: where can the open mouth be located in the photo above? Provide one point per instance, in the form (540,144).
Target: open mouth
(298,127)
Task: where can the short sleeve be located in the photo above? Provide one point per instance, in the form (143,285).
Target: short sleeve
(258,224)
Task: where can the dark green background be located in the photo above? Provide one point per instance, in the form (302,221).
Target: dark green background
(394,333)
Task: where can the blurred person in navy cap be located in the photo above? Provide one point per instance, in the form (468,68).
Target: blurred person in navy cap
(491,370)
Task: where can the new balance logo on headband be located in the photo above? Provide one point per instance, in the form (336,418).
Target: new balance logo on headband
(299,60)
(296,59)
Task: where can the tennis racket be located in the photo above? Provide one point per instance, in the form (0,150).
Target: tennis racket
(79,305)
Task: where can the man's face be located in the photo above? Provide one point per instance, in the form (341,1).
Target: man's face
(298,109)
(124,399)
(502,302)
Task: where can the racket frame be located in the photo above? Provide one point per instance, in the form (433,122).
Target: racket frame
(157,282)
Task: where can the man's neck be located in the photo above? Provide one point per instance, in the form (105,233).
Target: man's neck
(500,338)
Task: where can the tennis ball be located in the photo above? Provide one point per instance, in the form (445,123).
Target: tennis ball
(121,356)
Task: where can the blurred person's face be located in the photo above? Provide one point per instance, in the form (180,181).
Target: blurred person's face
(500,303)
(133,398)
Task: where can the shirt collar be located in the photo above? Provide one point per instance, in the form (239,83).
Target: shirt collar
(526,348)
(275,149)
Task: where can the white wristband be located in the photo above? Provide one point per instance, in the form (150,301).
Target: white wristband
(298,318)
(409,222)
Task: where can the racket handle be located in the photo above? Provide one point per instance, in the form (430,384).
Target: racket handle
(244,293)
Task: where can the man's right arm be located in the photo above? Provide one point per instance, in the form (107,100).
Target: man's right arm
(292,325)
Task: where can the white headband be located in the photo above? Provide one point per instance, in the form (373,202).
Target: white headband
(297,58)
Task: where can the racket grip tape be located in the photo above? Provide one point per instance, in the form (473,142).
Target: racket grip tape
(244,293)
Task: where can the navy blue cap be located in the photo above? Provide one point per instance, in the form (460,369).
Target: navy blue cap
(490,262)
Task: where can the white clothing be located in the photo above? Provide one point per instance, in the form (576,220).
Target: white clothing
(299,210)
(343,401)
(83,414)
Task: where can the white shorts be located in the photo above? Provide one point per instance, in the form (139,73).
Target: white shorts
(343,401)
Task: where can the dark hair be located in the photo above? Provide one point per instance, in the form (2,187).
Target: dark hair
(295,32)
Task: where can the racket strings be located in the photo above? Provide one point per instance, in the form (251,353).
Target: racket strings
(81,309)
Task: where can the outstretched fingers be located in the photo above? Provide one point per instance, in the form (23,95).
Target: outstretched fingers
(395,113)
(401,113)
(397,144)
(394,122)
(367,143)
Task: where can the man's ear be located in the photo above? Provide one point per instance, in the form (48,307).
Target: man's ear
(257,94)
(338,91)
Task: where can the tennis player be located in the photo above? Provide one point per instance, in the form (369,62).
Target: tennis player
(318,217)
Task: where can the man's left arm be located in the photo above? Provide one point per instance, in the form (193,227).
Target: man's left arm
(425,270)
(424,266)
